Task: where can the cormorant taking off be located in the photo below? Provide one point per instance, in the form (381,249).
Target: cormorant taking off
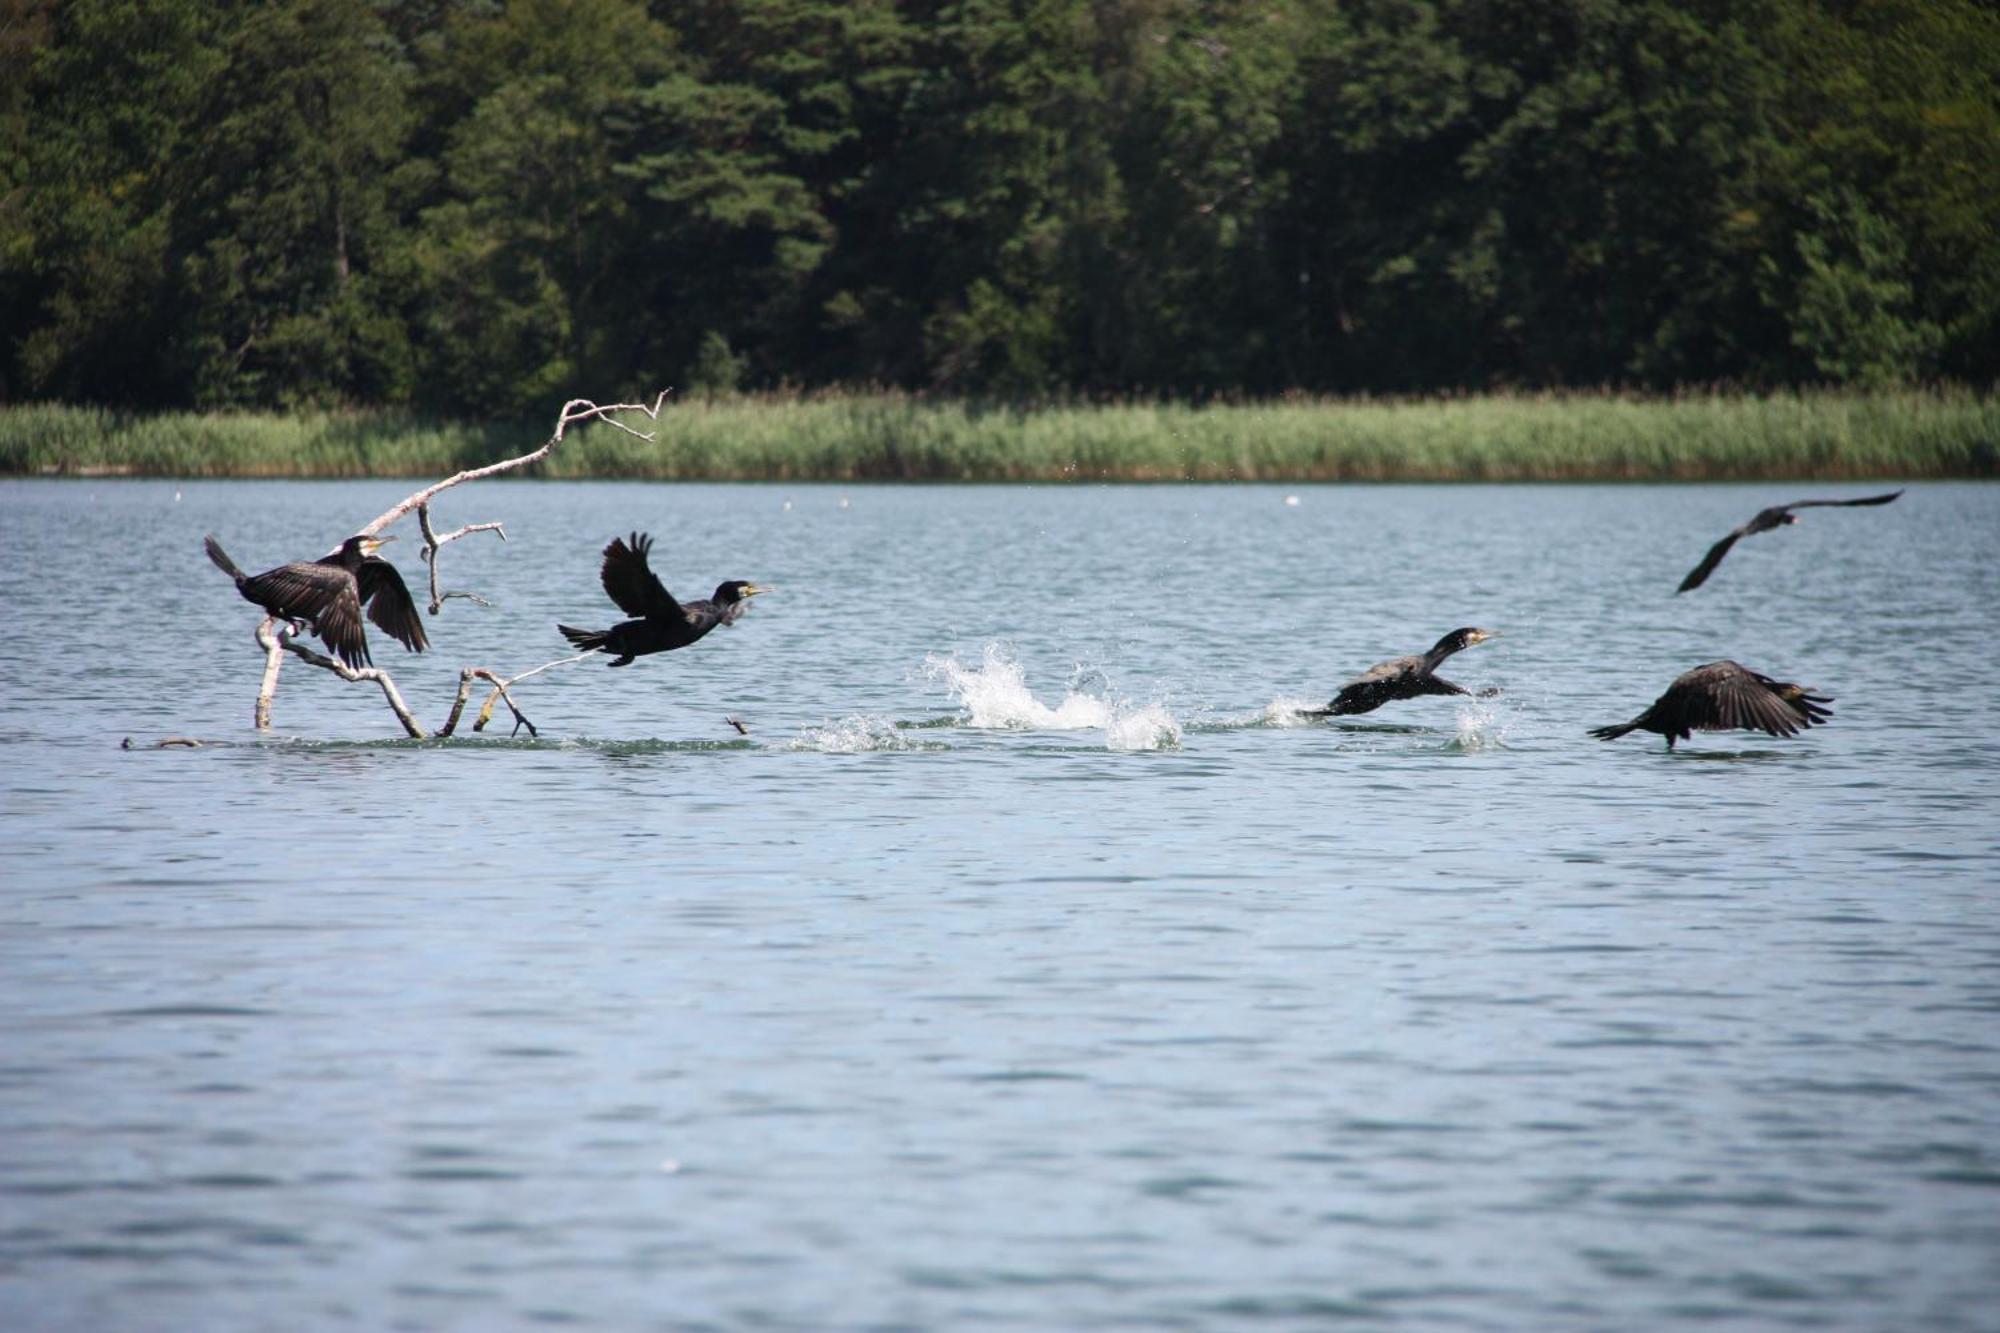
(1402,677)
(1777,516)
(329,593)
(1725,696)
(663,624)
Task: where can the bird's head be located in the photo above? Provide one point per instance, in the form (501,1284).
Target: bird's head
(364,546)
(736,590)
(1464,638)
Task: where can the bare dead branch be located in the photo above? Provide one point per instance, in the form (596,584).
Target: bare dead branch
(433,542)
(274,658)
(346,672)
(574,411)
(500,686)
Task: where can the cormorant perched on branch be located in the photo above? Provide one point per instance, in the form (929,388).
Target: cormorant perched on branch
(663,624)
(1777,516)
(329,594)
(1402,677)
(1725,696)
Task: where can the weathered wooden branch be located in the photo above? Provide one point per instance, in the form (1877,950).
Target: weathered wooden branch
(485,715)
(276,642)
(576,410)
(281,642)
(432,541)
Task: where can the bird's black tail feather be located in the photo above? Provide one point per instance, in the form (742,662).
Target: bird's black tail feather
(588,640)
(221,557)
(1613,733)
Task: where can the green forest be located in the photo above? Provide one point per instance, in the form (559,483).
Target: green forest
(473,209)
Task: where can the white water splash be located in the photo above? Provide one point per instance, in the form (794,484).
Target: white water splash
(1151,727)
(995,696)
(1290,711)
(856,734)
(1481,726)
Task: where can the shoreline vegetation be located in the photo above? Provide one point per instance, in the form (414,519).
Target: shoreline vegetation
(1824,435)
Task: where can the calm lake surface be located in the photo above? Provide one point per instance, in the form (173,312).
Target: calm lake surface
(1030,963)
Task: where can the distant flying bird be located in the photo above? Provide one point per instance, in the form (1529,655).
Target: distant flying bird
(1777,516)
(329,594)
(1726,696)
(663,624)
(1402,677)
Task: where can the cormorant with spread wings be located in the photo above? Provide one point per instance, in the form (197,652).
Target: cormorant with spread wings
(1726,696)
(1777,516)
(329,594)
(662,623)
(1403,677)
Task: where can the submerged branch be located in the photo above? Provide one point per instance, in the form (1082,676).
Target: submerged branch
(469,674)
(389,691)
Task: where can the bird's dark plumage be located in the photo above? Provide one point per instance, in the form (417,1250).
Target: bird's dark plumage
(329,594)
(1402,677)
(661,624)
(1726,696)
(1777,516)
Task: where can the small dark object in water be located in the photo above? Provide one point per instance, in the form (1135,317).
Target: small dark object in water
(1726,696)
(1777,516)
(663,624)
(329,594)
(1403,677)
(741,730)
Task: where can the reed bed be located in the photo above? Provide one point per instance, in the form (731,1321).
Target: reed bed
(896,437)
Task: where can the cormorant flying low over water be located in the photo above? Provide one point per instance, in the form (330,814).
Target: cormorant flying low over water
(329,594)
(1726,696)
(1402,677)
(1777,516)
(663,624)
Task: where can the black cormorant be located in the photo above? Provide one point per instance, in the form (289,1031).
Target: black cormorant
(1402,677)
(663,624)
(1725,696)
(1777,516)
(329,594)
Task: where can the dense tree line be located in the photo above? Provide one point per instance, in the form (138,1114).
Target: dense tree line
(471,206)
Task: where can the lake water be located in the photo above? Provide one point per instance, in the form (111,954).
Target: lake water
(1030,963)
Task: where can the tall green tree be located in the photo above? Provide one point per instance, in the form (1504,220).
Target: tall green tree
(525,272)
(287,212)
(104,98)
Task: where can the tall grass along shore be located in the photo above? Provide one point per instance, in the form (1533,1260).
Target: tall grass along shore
(895,437)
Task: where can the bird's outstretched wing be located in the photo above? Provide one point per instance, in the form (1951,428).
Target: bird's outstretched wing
(1766,519)
(326,596)
(323,595)
(340,625)
(389,603)
(1699,574)
(1864,500)
(1724,696)
(630,581)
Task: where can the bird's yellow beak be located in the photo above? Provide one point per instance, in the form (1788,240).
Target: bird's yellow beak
(370,545)
(751,590)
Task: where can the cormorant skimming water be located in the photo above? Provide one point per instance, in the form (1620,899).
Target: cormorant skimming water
(1725,696)
(663,624)
(1777,516)
(1402,677)
(329,593)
